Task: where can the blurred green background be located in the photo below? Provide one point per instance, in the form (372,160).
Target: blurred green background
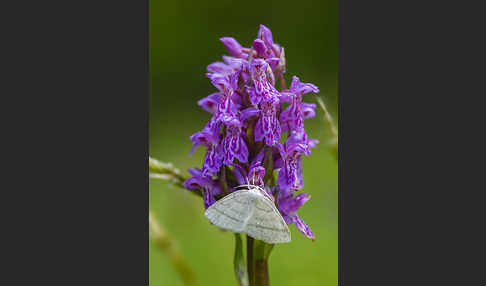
(183,40)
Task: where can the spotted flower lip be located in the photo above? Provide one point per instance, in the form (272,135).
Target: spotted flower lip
(248,119)
(290,174)
(234,145)
(268,126)
(209,137)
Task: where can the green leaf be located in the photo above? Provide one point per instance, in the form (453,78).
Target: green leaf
(241,272)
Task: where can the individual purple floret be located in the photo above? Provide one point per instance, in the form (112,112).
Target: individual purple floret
(288,206)
(210,138)
(249,118)
(234,145)
(209,187)
(263,89)
(290,175)
(227,85)
(254,176)
(293,116)
(256,171)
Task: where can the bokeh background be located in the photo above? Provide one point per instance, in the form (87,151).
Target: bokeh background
(183,40)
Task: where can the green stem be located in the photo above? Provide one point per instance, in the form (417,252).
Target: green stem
(249,260)
(239,262)
(261,251)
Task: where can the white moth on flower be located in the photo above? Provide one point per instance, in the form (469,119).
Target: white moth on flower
(250,211)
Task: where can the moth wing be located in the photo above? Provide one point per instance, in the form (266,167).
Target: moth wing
(267,224)
(231,212)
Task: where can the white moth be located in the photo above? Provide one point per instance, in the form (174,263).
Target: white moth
(250,211)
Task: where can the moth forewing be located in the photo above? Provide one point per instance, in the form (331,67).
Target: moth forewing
(249,211)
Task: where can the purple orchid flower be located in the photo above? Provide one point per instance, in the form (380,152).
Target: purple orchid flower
(246,89)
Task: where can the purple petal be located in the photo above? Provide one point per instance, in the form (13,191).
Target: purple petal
(294,85)
(283,180)
(303,228)
(266,35)
(308,109)
(219,67)
(234,146)
(273,62)
(254,97)
(306,88)
(312,143)
(242,154)
(256,174)
(193,183)
(300,88)
(234,79)
(237,99)
(213,160)
(208,198)
(239,174)
(297,202)
(210,102)
(286,96)
(248,112)
(258,158)
(285,115)
(278,163)
(259,133)
(235,62)
(220,81)
(258,68)
(233,47)
(259,47)
(195,172)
